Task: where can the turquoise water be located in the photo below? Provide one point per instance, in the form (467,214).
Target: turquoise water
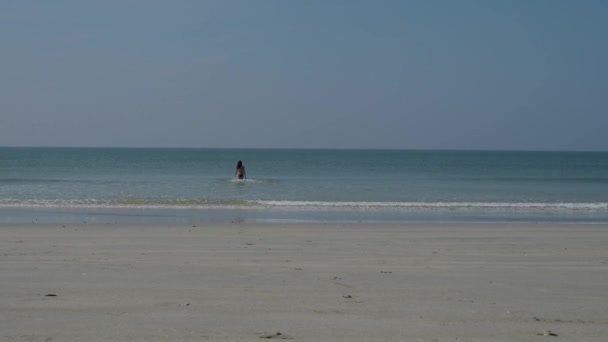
(340,185)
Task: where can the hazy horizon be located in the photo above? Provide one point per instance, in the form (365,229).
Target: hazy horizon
(302,148)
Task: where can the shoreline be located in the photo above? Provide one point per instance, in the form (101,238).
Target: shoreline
(304,282)
(73,215)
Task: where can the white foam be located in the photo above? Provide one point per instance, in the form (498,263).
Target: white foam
(345,205)
(438,205)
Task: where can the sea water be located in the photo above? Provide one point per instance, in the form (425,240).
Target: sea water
(293,185)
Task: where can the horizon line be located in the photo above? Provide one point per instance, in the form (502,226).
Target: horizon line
(309,148)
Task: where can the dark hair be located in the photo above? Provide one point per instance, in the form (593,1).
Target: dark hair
(239,164)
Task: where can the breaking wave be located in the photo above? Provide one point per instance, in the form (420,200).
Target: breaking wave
(268,204)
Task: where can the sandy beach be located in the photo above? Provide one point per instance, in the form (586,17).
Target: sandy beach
(304,282)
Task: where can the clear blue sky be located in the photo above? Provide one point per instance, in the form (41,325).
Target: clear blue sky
(517,74)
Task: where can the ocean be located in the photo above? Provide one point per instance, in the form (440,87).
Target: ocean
(107,185)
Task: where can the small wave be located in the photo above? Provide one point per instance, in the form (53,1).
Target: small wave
(438,205)
(125,203)
(252,180)
(315,205)
(599,180)
(51,180)
(30,180)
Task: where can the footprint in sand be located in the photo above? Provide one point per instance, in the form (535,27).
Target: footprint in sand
(351,299)
(277,336)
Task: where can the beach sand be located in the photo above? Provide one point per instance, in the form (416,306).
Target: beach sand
(304,282)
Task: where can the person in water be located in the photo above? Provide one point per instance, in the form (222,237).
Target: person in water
(240,171)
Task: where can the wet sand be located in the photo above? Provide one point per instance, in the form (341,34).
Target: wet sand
(304,282)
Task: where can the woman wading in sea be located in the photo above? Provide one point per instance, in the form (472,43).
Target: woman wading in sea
(240,171)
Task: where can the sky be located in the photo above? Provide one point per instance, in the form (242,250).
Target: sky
(428,74)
